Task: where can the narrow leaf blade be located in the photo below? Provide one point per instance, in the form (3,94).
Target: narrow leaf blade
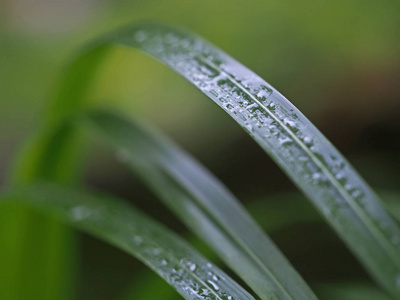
(121,225)
(314,165)
(205,206)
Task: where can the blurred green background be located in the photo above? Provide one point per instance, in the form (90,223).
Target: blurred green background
(337,61)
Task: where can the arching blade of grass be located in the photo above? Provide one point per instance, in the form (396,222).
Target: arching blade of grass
(295,144)
(121,225)
(269,213)
(50,243)
(47,270)
(315,166)
(30,269)
(205,206)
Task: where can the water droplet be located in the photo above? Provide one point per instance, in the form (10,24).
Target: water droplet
(170,38)
(214,285)
(137,240)
(240,115)
(264,94)
(185,43)
(289,122)
(158,48)
(327,211)
(214,93)
(230,107)
(192,267)
(249,127)
(140,36)
(252,106)
(80,213)
(340,176)
(218,78)
(398,281)
(307,140)
(356,193)
(318,177)
(285,141)
(314,149)
(348,187)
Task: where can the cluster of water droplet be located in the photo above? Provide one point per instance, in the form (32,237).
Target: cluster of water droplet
(276,125)
(166,254)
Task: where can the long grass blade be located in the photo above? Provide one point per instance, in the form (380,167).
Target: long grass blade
(316,167)
(313,164)
(121,225)
(44,269)
(47,270)
(271,214)
(205,206)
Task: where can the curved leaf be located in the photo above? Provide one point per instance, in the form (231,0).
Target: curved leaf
(205,205)
(272,214)
(313,164)
(121,225)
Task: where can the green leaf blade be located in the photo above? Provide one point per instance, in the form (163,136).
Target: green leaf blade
(122,226)
(204,205)
(313,164)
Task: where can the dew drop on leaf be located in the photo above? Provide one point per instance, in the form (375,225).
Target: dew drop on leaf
(80,213)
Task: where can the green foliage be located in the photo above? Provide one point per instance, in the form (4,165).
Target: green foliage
(198,199)
(205,206)
(122,226)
